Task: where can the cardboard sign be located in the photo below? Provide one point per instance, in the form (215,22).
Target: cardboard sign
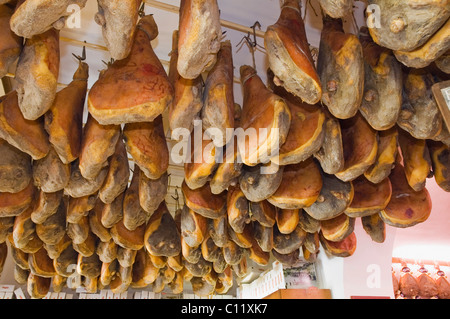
(441,92)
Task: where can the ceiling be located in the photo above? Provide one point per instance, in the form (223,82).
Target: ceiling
(435,232)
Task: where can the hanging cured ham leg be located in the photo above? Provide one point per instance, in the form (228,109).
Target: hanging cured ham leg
(34,17)
(202,162)
(289,55)
(229,170)
(135,89)
(28,136)
(300,186)
(118,19)
(307,129)
(162,237)
(98,144)
(15,167)
(188,94)
(440,160)
(331,154)
(262,112)
(374,227)
(360,144)
(200,34)
(205,203)
(408,284)
(37,74)
(336,8)
(152,192)
(50,174)
(335,196)
(369,198)
(133,214)
(147,145)
(341,69)
(434,48)
(416,160)
(14,204)
(218,109)
(406,25)
(386,155)
(10,44)
(64,120)
(118,175)
(383,84)
(406,207)
(443,62)
(419,114)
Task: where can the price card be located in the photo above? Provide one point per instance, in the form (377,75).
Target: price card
(48,295)
(103,294)
(8,295)
(441,92)
(7,288)
(19,293)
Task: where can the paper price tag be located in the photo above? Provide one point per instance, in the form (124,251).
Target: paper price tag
(47,296)
(8,295)
(103,294)
(19,293)
(7,288)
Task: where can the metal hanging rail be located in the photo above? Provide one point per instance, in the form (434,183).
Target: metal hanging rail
(169,8)
(228,24)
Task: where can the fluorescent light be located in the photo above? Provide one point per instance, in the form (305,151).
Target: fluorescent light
(423,252)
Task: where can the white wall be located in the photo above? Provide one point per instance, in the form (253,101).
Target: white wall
(366,273)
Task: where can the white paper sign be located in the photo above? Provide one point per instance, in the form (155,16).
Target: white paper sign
(19,293)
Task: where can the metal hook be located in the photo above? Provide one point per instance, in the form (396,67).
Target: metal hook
(176,198)
(222,37)
(355,23)
(141,11)
(83,54)
(312,7)
(252,44)
(108,63)
(256,24)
